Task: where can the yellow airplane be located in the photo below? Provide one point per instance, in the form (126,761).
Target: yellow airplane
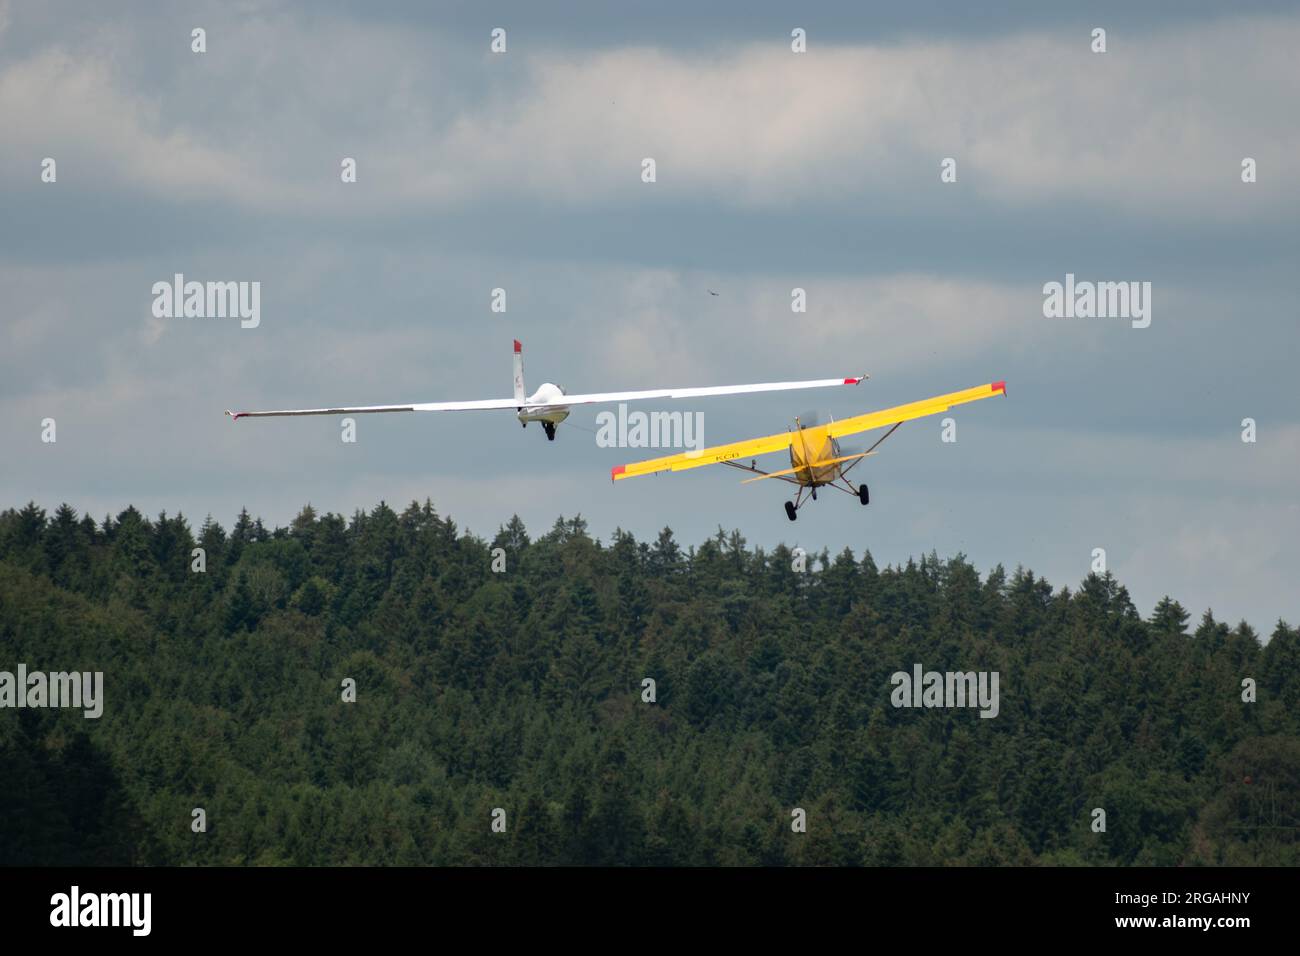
(815,456)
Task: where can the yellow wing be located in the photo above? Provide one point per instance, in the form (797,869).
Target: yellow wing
(705,456)
(904,413)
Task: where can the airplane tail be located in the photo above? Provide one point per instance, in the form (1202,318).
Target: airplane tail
(519,373)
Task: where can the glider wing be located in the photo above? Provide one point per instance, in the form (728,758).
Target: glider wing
(371,409)
(706,391)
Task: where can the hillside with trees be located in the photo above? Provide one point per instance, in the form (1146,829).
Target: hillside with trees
(522,689)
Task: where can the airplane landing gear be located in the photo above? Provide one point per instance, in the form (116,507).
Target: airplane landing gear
(549,428)
(863,495)
(789,510)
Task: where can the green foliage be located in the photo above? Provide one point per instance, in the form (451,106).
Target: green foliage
(522,690)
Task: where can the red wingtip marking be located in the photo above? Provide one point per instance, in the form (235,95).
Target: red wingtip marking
(518,347)
(852,381)
(1000,387)
(616,471)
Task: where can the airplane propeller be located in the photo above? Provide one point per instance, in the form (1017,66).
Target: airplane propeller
(810,419)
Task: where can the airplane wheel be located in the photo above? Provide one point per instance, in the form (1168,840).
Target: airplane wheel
(550,430)
(863,495)
(789,510)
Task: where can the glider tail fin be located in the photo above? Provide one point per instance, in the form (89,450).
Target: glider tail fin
(519,373)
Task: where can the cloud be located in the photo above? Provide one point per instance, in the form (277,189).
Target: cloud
(67,106)
(1029,117)
(266,116)
(671,330)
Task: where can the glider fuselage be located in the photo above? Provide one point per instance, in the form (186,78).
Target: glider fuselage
(545,405)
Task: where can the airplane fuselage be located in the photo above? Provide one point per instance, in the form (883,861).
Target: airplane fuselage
(812,445)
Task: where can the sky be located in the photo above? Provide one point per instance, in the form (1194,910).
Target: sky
(775,170)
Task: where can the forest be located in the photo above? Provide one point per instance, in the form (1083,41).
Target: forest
(504,682)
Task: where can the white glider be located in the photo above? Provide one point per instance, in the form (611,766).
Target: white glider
(550,404)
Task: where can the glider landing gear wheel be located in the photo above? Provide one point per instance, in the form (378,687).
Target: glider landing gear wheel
(863,495)
(789,510)
(549,428)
